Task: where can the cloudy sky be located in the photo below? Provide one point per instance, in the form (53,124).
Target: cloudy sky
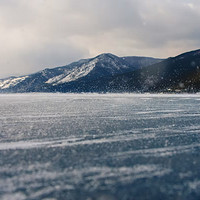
(35,34)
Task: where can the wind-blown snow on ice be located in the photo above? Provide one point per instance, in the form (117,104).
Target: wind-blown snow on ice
(92,146)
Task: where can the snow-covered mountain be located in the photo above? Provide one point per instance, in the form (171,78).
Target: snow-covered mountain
(109,73)
(86,70)
(11,82)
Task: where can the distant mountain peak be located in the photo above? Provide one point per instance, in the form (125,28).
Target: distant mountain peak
(102,66)
(106,55)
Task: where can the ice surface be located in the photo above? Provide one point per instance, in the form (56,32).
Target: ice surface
(88,146)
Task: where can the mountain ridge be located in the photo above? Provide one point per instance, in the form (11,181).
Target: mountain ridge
(110,73)
(103,65)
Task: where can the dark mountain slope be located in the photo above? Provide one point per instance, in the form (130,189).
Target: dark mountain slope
(178,73)
(139,62)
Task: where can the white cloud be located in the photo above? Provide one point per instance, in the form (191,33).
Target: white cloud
(47,33)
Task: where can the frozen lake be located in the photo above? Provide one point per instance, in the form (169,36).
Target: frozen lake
(99,146)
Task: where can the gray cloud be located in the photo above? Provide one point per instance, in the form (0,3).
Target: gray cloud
(47,33)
